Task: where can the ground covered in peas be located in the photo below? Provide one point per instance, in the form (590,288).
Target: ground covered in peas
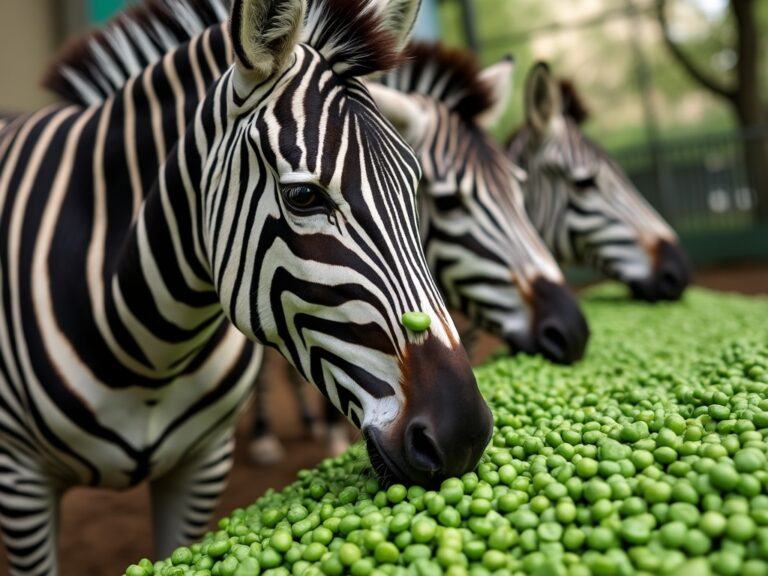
(647,458)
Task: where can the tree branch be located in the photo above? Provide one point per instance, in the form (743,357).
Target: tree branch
(688,65)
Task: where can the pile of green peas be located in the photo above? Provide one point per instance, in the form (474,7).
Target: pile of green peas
(647,458)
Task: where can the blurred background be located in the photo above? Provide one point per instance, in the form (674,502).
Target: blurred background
(678,90)
(678,93)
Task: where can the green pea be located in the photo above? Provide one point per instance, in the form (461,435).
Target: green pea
(449,517)
(349,554)
(270,558)
(281,540)
(322,535)
(332,566)
(723,476)
(573,538)
(386,552)
(423,530)
(416,552)
(586,467)
(362,567)
(642,459)
(436,504)
(712,523)
(635,530)
(416,321)
(181,555)
(396,493)
(673,534)
(749,460)
(740,527)
(601,538)
(697,543)
(494,560)
(314,552)
(219,548)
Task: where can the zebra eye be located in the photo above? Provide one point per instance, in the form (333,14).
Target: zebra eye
(305,199)
(448,203)
(585,183)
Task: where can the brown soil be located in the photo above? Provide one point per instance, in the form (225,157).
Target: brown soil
(103,531)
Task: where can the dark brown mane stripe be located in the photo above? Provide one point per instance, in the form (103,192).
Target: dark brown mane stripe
(454,78)
(573,104)
(349,33)
(133,40)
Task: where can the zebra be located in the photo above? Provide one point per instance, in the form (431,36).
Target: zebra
(481,247)
(584,206)
(145,248)
(484,253)
(486,256)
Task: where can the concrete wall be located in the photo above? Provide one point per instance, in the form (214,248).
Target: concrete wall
(31,34)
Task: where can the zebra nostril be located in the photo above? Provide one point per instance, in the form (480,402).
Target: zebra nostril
(671,283)
(553,342)
(560,332)
(421,450)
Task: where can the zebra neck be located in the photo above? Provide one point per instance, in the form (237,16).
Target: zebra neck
(161,288)
(160,310)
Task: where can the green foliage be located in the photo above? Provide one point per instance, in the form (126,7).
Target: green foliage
(601,60)
(647,458)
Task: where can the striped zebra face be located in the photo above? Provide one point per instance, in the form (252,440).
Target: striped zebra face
(481,247)
(585,206)
(316,251)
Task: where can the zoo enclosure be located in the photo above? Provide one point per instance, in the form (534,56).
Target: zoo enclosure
(700,183)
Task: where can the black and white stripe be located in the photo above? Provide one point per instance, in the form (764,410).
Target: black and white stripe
(144,237)
(585,207)
(484,252)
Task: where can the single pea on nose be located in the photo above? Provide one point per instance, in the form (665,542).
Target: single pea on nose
(416,321)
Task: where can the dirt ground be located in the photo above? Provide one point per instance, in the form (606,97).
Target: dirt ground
(103,531)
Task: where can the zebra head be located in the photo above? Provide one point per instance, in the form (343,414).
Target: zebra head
(483,251)
(584,205)
(310,223)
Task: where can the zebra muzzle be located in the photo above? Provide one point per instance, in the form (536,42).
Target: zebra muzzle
(444,425)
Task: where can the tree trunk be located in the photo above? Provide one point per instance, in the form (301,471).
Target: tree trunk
(746,101)
(743,95)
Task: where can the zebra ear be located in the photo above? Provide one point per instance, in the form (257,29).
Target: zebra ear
(499,79)
(542,98)
(399,17)
(264,33)
(400,109)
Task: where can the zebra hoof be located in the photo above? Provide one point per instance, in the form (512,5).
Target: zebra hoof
(266,450)
(338,440)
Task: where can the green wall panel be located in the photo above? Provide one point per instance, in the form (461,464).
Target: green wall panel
(101,10)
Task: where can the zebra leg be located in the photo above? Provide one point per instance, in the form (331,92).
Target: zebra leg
(308,419)
(264,448)
(29,514)
(184,500)
(337,434)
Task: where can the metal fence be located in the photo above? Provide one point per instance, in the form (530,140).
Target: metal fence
(703,188)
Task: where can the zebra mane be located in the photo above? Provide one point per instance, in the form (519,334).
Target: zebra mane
(573,104)
(350,34)
(451,76)
(90,69)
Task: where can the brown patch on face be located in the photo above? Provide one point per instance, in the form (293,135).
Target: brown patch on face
(524,287)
